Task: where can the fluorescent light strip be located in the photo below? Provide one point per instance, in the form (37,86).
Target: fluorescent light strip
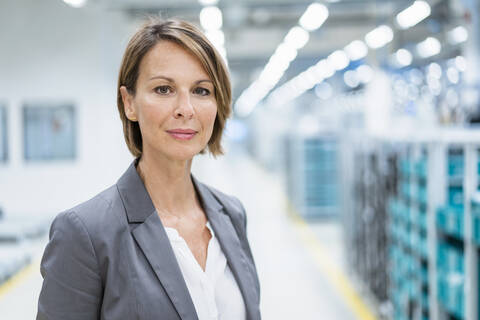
(457,35)
(313,17)
(403,57)
(338,60)
(314,75)
(429,47)
(411,16)
(356,50)
(379,37)
(211,19)
(75,3)
(297,37)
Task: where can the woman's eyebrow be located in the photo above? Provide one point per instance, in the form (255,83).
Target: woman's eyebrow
(205,80)
(162,77)
(173,81)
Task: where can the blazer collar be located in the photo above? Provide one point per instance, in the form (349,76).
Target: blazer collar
(139,205)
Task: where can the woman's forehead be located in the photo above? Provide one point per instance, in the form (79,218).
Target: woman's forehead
(169,57)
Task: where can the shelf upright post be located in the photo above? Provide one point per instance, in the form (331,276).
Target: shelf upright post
(415,155)
(436,193)
(470,183)
(347,154)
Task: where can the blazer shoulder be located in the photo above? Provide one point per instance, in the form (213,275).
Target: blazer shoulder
(96,211)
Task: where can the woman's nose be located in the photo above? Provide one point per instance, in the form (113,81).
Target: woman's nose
(184,106)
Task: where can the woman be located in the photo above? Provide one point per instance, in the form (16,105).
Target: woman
(159,244)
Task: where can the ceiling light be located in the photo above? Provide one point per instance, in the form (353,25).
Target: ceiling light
(351,79)
(356,50)
(286,52)
(417,12)
(306,80)
(75,3)
(457,35)
(314,16)
(208,2)
(297,37)
(404,57)
(429,47)
(379,37)
(338,60)
(461,63)
(365,73)
(211,18)
(434,70)
(216,36)
(324,90)
(453,75)
(323,69)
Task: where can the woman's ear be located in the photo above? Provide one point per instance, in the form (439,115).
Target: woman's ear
(129,107)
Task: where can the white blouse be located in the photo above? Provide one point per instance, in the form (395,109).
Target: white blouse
(214,292)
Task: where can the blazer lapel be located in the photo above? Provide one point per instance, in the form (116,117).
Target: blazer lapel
(230,244)
(153,240)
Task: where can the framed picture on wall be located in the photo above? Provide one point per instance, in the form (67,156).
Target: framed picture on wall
(3,134)
(49,132)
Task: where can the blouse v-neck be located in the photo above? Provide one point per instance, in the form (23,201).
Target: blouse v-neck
(215,293)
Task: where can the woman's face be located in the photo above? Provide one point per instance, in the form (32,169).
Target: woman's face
(174,103)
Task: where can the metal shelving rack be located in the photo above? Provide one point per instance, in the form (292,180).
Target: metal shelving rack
(437,144)
(433,147)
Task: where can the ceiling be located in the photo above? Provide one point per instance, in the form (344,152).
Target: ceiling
(254,28)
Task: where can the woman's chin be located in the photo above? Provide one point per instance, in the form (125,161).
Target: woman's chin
(184,154)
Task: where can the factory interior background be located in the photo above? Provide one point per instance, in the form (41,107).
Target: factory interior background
(354,144)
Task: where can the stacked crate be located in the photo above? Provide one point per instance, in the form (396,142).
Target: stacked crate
(451,274)
(450,231)
(433,224)
(409,291)
(311,171)
(475,207)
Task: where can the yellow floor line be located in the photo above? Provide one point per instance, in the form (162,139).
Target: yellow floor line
(18,278)
(333,272)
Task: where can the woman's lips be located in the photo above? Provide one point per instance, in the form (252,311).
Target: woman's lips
(182,134)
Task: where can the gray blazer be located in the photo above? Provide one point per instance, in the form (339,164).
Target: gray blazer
(110,258)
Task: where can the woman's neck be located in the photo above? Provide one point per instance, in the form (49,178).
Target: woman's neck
(168,183)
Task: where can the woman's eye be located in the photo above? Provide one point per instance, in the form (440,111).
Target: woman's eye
(201,91)
(163,89)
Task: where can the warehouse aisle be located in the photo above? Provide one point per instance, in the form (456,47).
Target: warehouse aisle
(291,282)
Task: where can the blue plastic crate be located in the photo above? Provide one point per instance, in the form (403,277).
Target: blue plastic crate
(422,194)
(424,275)
(476,219)
(424,300)
(455,165)
(405,190)
(451,293)
(451,221)
(421,168)
(455,196)
(406,167)
(449,259)
(422,220)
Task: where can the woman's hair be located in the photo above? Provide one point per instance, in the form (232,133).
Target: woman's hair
(194,41)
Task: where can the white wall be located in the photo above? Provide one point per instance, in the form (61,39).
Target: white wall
(51,52)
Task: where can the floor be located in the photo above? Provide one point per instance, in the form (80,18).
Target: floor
(301,267)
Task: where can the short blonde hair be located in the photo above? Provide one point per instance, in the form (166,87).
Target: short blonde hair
(194,41)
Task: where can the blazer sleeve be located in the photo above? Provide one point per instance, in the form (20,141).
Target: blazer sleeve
(72,285)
